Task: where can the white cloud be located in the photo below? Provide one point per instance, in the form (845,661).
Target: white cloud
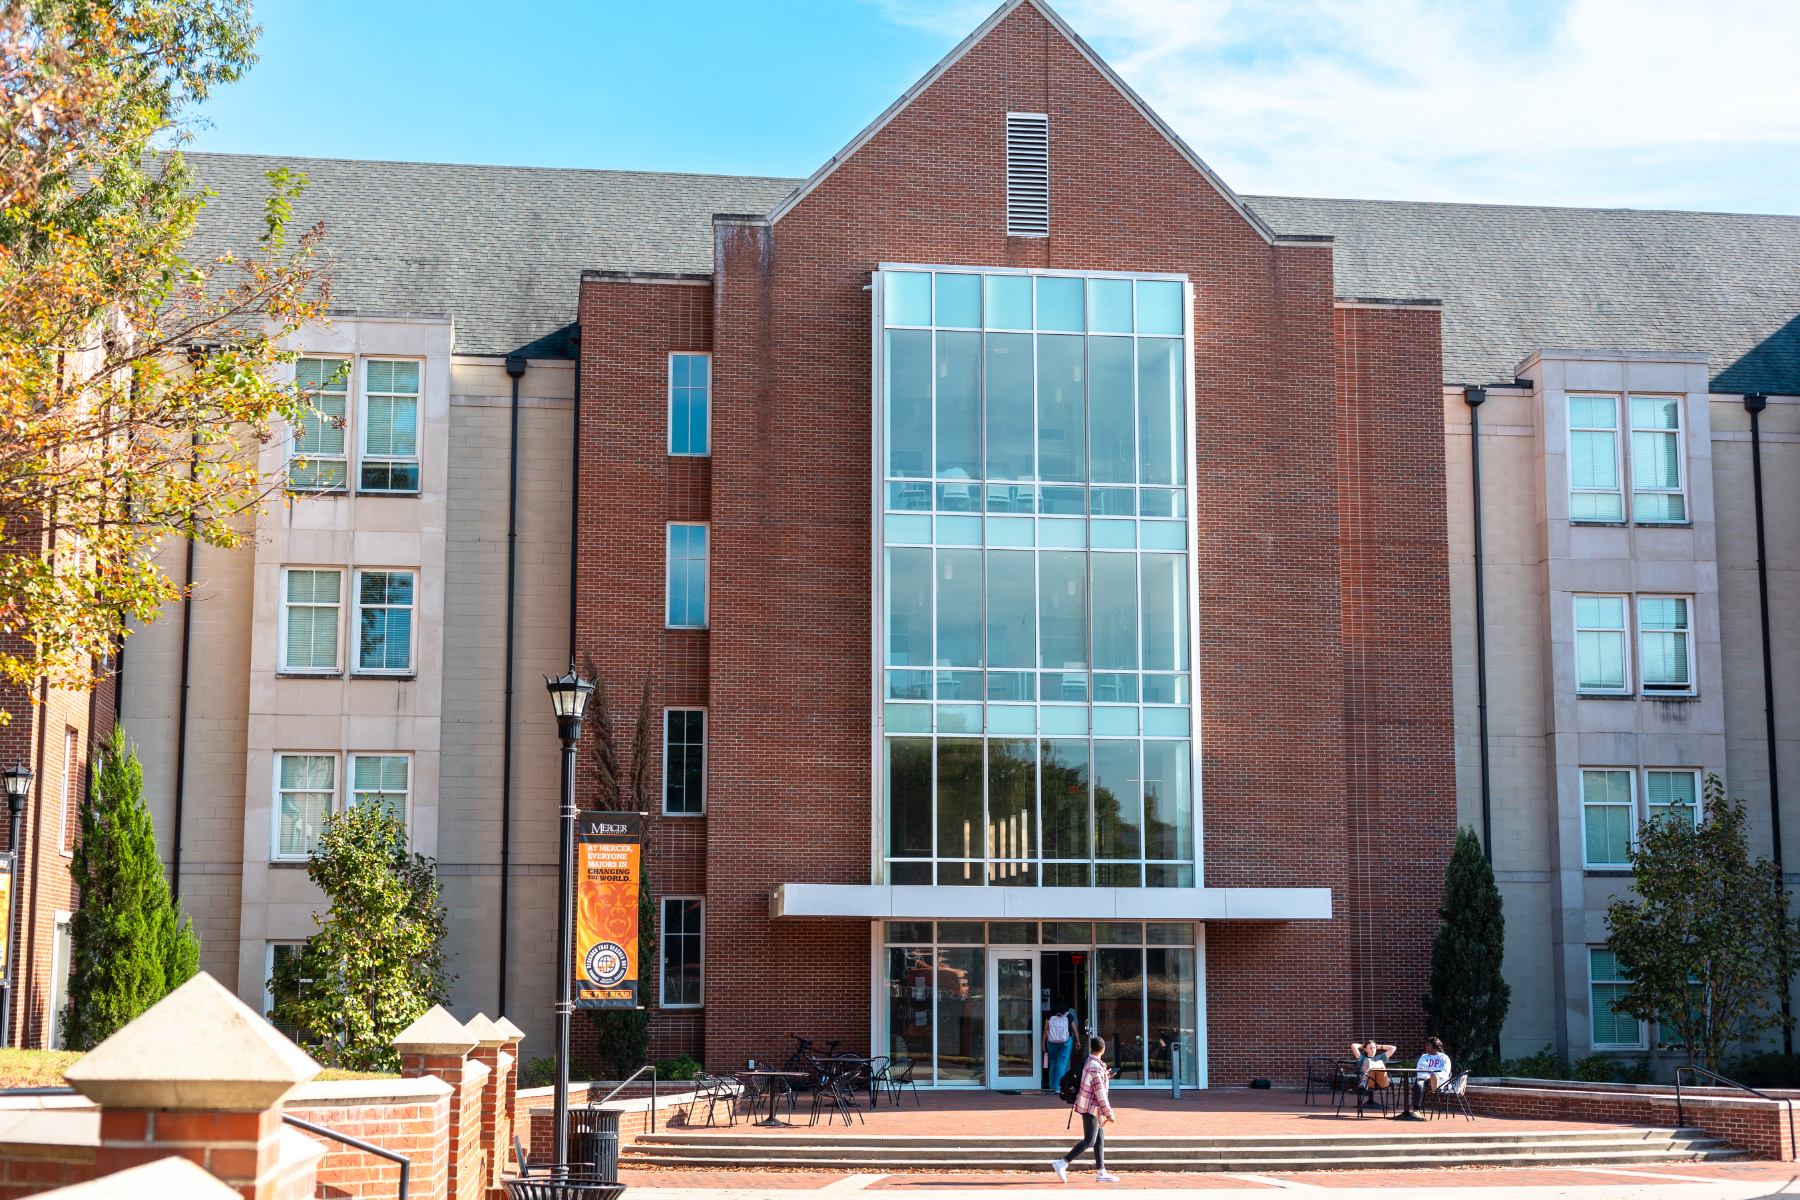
(1638,103)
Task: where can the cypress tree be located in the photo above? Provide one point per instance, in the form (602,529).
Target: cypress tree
(1469,997)
(129,945)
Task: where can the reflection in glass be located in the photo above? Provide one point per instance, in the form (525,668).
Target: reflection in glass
(909,797)
(1115,689)
(1068,875)
(958,405)
(1114,502)
(1119,1009)
(959,799)
(959,685)
(1162,409)
(909,497)
(1115,613)
(958,608)
(1118,875)
(1168,801)
(1162,502)
(911,985)
(908,584)
(1011,498)
(1165,613)
(1011,685)
(909,685)
(1062,410)
(1015,1019)
(908,386)
(1118,800)
(1012,803)
(961,1015)
(1062,609)
(1009,403)
(957,497)
(1011,608)
(1112,417)
(1064,501)
(1065,687)
(1172,1012)
(1065,791)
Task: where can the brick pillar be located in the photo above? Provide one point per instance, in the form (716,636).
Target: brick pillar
(199,1076)
(510,1055)
(438,1045)
(489,1038)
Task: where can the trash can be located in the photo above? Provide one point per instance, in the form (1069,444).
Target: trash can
(578,1186)
(594,1142)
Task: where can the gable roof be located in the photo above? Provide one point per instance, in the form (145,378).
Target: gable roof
(1516,279)
(974,39)
(499,248)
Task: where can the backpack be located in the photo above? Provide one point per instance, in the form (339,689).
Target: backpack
(1070,1088)
(1059,1028)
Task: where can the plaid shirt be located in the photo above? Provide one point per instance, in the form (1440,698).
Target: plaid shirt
(1092,1097)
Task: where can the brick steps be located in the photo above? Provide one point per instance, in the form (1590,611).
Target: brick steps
(1206,1153)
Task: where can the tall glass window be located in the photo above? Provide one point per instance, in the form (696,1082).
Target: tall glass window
(1608,817)
(690,408)
(1036,583)
(1600,644)
(1594,459)
(687,577)
(1663,645)
(1656,492)
(390,461)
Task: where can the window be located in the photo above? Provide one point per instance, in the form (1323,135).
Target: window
(1606,986)
(316,461)
(390,451)
(1664,647)
(690,410)
(71,760)
(309,620)
(280,985)
(384,608)
(687,576)
(1600,644)
(1027,175)
(381,779)
(1606,812)
(1594,459)
(682,947)
(1673,795)
(684,762)
(1656,459)
(305,785)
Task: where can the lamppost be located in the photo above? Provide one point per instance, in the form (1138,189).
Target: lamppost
(18,787)
(569,696)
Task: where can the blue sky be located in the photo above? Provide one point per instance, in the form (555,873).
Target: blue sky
(1600,103)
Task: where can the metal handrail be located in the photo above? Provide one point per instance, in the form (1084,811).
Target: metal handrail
(358,1144)
(1681,1116)
(650,1067)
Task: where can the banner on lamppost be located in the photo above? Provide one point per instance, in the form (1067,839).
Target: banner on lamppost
(6,882)
(608,846)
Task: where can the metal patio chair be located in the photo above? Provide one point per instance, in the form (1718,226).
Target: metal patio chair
(1453,1095)
(899,1075)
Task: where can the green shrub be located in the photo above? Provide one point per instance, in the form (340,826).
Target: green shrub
(679,1067)
(538,1072)
(1545,1064)
(1595,1068)
(1772,1069)
(1638,1070)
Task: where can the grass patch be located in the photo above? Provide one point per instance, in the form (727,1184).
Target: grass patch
(44,1068)
(333,1074)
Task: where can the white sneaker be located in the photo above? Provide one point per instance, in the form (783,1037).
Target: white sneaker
(1061,1168)
(1103,1177)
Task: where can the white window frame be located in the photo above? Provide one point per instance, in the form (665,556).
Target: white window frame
(707,355)
(1626,638)
(1604,1047)
(662,935)
(62,967)
(275,789)
(281,623)
(1631,808)
(1693,683)
(1681,471)
(406,803)
(705,757)
(354,636)
(1699,792)
(362,426)
(1620,431)
(71,756)
(294,452)
(705,576)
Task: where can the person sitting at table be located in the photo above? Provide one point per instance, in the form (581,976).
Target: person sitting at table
(1371,1069)
(1433,1071)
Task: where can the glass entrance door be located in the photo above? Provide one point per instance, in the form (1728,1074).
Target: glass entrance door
(1012,1015)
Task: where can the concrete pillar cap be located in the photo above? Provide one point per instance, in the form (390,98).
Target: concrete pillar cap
(487,1035)
(513,1032)
(199,1048)
(172,1178)
(436,1034)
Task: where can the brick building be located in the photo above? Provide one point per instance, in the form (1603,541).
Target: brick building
(1051,569)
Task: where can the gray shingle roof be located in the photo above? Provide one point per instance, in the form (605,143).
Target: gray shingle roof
(499,248)
(502,249)
(1516,279)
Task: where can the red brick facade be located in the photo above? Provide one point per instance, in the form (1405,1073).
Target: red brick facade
(1323,669)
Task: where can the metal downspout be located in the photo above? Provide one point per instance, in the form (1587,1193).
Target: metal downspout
(1754,403)
(1475,397)
(181,717)
(515,368)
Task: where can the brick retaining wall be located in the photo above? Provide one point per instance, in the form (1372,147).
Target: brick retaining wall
(1764,1128)
(406,1116)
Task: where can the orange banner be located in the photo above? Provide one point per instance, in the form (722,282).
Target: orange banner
(606,910)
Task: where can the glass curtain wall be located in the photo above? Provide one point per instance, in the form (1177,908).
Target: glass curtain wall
(1037,676)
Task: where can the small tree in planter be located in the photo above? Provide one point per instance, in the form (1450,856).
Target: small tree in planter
(1703,942)
(129,944)
(1467,1003)
(377,963)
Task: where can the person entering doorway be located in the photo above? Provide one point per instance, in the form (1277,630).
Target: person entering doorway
(1060,1032)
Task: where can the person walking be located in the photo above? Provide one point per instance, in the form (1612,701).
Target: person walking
(1060,1032)
(1096,1113)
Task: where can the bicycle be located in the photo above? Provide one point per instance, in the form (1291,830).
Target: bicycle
(806,1053)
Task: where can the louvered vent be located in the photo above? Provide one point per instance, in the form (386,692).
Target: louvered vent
(1028,174)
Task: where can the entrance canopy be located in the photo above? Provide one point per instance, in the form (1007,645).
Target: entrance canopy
(798,901)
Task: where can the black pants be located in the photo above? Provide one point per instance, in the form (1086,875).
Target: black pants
(1093,1133)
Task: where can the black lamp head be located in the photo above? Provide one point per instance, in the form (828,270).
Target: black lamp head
(515,365)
